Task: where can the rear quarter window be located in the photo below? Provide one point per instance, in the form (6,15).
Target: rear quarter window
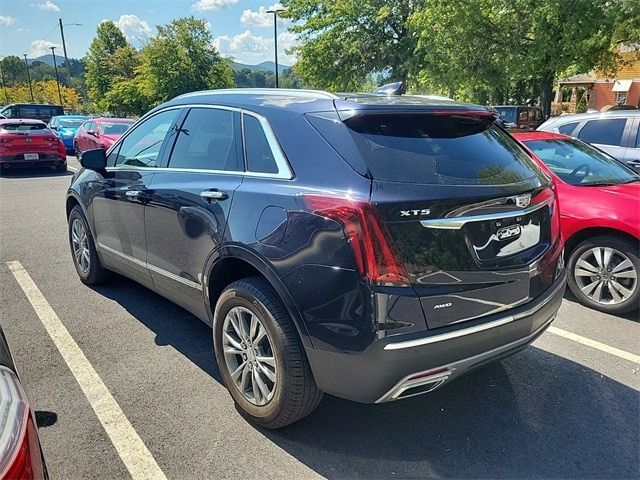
(605,131)
(436,149)
(567,128)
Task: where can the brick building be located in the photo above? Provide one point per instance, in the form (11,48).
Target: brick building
(603,91)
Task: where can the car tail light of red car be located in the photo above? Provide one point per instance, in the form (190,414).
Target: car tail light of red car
(20,456)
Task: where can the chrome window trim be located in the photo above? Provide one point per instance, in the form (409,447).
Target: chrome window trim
(456,223)
(149,266)
(284,169)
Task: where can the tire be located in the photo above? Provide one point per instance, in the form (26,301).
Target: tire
(91,273)
(61,168)
(619,263)
(293,394)
(76,151)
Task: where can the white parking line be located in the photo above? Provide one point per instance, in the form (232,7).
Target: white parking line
(73,169)
(130,447)
(603,347)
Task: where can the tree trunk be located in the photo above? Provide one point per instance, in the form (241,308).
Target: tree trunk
(546,93)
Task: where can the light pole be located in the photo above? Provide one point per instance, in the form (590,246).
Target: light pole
(55,66)
(275,36)
(64,47)
(26,64)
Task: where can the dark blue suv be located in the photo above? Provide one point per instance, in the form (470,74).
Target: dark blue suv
(365,246)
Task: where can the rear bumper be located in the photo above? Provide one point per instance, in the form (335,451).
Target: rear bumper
(44,161)
(405,365)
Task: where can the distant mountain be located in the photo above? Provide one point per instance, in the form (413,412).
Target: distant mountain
(264,67)
(48,59)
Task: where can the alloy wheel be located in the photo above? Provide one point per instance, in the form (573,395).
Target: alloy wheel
(80,245)
(249,356)
(605,275)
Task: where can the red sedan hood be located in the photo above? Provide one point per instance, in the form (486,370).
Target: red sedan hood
(627,190)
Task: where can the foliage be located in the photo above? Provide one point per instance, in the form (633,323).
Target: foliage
(44,92)
(246,78)
(582,104)
(344,41)
(181,59)
(102,58)
(13,70)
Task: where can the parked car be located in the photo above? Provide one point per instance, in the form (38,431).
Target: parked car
(20,452)
(99,133)
(520,117)
(66,126)
(34,111)
(29,143)
(599,201)
(366,246)
(616,132)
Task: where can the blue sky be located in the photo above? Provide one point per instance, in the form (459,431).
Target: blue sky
(241,28)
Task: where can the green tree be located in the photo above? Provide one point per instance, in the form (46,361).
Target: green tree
(344,41)
(100,73)
(181,59)
(498,42)
(13,70)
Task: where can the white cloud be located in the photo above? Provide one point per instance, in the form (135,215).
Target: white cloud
(42,47)
(252,49)
(261,18)
(134,29)
(203,5)
(7,20)
(48,6)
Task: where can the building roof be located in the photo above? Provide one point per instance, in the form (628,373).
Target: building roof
(581,78)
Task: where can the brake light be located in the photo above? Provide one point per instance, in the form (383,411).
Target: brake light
(19,448)
(369,241)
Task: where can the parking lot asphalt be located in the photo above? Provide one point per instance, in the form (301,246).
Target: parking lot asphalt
(560,408)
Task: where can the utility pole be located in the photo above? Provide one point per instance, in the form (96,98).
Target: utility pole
(26,64)
(64,49)
(275,36)
(4,85)
(55,66)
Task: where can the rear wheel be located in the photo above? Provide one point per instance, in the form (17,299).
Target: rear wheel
(603,274)
(61,168)
(76,150)
(260,356)
(83,250)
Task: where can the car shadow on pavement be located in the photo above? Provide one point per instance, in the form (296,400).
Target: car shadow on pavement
(535,414)
(172,325)
(33,173)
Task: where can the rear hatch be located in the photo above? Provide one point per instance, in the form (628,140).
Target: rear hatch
(466,210)
(29,141)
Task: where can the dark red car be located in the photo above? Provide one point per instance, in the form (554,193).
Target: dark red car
(29,143)
(99,133)
(599,199)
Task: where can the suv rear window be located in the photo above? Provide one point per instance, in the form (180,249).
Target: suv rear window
(437,149)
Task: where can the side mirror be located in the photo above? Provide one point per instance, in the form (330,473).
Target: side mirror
(94,159)
(91,132)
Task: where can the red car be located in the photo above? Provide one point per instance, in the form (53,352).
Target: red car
(29,143)
(599,201)
(99,133)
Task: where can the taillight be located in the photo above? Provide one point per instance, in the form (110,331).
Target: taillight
(19,448)
(369,241)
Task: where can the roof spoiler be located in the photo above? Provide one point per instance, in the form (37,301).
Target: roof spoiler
(391,89)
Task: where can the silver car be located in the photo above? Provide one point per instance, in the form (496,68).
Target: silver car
(615,132)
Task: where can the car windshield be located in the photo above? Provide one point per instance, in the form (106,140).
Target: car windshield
(114,128)
(507,114)
(71,123)
(22,127)
(580,164)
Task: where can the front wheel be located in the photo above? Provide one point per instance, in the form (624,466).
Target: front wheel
(603,274)
(260,356)
(83,249)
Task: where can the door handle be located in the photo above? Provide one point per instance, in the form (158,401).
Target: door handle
(134,193)
(211,195)
(635,163)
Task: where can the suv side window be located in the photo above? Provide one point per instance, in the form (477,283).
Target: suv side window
(207,140)
(260,157)
(606,131)
(568,128)
(141,147)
